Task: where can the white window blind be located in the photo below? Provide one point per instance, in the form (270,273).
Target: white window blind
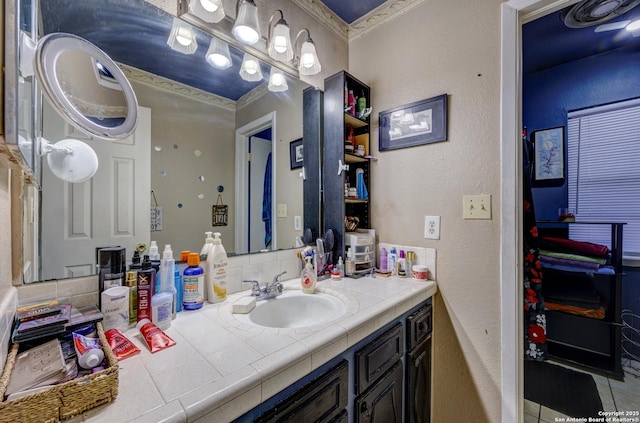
(603,172)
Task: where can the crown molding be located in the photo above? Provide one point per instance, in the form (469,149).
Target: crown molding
(379,16)
(146,78)
(252,95)
(325,16)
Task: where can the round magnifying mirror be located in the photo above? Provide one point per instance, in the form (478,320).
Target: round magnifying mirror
(85,86)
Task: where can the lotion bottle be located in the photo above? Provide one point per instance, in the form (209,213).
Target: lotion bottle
(308,277)
(216,271)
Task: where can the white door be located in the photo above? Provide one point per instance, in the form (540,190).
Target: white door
(260,150)
(110,209)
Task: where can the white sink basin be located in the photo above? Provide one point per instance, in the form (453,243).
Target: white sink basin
(294,309)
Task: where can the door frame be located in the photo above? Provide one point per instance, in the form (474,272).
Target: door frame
(242,142)
(514,13)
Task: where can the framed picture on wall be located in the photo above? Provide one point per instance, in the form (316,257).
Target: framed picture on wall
(296,156)
(421,122)
(548,157)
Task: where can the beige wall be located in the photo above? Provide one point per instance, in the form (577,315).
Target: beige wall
(453,47)
(180,126)
(420,55)
(288,108)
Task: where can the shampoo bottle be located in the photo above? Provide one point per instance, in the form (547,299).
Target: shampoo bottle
(193,284)
(392,257)
(154,257)
(383,259)
(177,281)
(162,301)
(216,271)
(308,277)
(131,283)
(146,279)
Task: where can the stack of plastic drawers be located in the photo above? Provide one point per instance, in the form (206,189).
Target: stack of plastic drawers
(362,245)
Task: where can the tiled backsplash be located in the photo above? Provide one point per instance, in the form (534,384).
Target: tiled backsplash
(424,256)
(83,291)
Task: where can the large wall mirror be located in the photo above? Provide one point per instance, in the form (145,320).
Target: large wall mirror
(205,138)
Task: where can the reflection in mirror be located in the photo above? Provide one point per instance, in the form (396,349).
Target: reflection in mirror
(187,143)
(86,87)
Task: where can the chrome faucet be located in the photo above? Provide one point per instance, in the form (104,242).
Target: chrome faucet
(270,290)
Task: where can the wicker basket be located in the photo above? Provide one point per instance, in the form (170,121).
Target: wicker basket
(65,400)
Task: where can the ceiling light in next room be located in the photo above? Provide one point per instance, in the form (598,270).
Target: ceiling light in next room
(634,28)
(182,37)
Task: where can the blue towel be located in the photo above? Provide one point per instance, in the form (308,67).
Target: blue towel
(266,202)
(362,189)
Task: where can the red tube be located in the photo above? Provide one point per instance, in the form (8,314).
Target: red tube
(153,336)
(121,346)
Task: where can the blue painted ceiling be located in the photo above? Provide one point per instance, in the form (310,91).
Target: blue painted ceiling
(135,33)
(548,42)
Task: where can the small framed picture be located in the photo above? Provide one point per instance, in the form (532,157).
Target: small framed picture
(422,122)
(296,156)
(548,157)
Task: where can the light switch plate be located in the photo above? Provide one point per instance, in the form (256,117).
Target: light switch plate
(297,223)
(432,227)
(476,206)
(282,210)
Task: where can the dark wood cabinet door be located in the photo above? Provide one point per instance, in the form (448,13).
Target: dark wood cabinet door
(382,402)
(321,401)
(418,384)
(377,357)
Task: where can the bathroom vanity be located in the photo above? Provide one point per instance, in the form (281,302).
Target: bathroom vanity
(223,369)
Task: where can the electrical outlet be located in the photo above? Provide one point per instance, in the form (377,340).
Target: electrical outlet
(476,206)
(432,227)
(297,223)
(282,210)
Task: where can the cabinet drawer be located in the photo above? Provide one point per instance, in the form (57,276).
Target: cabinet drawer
(418,327)
(322,400)
(378,356)
(382,403)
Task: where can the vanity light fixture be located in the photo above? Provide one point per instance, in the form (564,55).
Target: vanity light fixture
(182,37)
(208,10)
(279,39)
(634,28)
(218,54)
(308,62)
(246,29)
(250,69)
(277,80)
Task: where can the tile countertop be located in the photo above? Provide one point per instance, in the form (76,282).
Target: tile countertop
(221,368)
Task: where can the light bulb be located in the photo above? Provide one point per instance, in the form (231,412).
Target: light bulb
(208,5)
(218,60)
(184,36)
(246,34)
(280,44)
(307,60)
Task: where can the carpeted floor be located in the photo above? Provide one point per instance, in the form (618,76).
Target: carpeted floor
(567,391)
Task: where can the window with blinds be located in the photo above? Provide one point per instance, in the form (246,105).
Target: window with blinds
(603,172)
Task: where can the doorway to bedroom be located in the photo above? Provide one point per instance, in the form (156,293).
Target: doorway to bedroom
(550,92)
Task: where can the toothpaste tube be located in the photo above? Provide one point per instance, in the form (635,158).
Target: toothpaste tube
(153,336)
(121,346)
